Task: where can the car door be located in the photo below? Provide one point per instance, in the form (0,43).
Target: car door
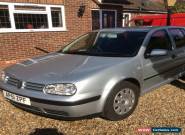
(158,69)
(178,36)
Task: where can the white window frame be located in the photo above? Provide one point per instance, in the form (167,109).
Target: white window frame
(11,9)
(101,17)
(129,14)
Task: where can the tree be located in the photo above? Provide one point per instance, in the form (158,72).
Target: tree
(179,7)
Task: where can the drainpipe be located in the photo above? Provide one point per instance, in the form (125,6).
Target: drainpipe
(169,12)
(169,16)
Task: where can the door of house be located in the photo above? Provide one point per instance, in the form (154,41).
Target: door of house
(104,19)
(108,19)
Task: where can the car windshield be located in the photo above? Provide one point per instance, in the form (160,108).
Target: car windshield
(111,44)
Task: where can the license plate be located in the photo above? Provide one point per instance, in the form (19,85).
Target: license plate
(17,98)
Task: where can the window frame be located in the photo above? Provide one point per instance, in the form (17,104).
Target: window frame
(101,17)
(12,10)
(183,32)
(124,19)
(147,46)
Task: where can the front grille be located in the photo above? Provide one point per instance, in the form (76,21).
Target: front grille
(13,81)
(26,85)
(34,86)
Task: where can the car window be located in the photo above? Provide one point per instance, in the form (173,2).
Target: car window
(159,40)
(109,43)
(178,37)
(121,42)
(81,43)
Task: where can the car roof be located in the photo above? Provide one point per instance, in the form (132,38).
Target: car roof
(142,28)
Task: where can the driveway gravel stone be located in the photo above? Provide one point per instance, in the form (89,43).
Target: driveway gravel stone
(163,107)
(159,108)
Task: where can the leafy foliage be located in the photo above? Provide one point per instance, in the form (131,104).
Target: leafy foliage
(179,7)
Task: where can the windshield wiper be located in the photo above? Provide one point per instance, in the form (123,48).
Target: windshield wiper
(98,53)
(111,54)
(106,53)
(42,50)
(81,53)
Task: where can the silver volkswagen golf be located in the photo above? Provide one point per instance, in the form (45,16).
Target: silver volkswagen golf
(101,73)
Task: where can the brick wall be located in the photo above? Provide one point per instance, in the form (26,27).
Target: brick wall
(21,45)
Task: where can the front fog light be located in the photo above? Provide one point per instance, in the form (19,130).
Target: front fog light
(2,76)
(60,89)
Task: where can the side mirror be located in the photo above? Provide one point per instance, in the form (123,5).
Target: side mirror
(157,52)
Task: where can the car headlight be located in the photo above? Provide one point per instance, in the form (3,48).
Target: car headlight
(61,89)
(2,76)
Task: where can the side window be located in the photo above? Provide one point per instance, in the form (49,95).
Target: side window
(178,37)
(159,40)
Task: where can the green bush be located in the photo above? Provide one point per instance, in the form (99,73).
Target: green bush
(179,7)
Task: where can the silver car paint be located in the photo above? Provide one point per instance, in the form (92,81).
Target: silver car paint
(92,76)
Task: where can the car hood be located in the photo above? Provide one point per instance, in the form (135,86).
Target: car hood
(57,67)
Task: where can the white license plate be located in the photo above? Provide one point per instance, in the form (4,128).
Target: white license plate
(17,98)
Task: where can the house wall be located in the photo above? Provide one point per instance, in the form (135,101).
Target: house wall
(18,45)
(21,45)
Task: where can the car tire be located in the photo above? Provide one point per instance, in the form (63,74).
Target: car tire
(182,78)
(115,109)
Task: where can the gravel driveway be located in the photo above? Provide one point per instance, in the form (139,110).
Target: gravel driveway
(159,108)
(162,107)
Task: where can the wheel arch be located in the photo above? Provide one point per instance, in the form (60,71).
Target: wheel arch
(134,81)
(106,92)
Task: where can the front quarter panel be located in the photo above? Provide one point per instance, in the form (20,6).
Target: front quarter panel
(104,82)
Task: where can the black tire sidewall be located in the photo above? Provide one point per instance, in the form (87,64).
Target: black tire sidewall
(108,112)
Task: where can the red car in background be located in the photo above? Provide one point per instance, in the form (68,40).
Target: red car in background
(177,19)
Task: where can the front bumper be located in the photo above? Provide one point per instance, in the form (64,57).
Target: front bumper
(53,106)
(53,113)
